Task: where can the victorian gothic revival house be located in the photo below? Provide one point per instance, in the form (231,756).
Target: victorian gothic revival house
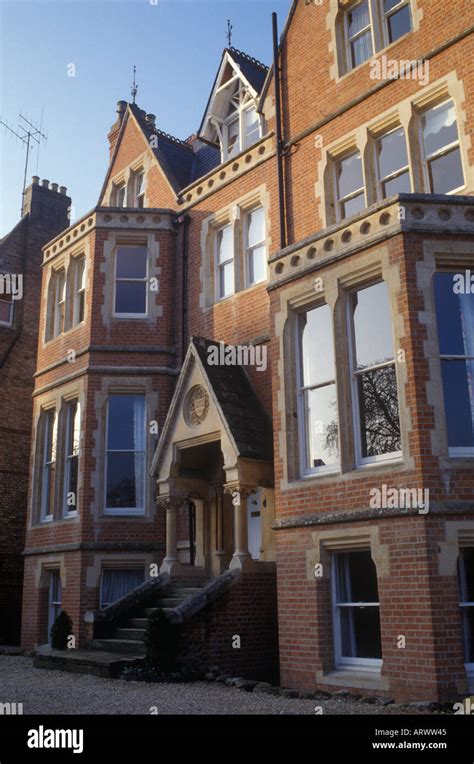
(255,370)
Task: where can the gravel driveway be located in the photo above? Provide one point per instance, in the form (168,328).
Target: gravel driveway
(56,692)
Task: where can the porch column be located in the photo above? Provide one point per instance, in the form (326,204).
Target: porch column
(241,557)
(200,556)
(171,505)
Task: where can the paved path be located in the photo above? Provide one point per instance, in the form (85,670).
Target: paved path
(56,692)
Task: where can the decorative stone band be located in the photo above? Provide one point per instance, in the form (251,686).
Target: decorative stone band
(418,213)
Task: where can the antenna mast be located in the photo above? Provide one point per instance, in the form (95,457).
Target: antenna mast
(29,133)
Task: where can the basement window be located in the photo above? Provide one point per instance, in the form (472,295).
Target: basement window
(116,583)
(374,378)
(356,616)
(455,324)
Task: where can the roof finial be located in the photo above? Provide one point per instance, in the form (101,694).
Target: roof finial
(229,33)
(134,89)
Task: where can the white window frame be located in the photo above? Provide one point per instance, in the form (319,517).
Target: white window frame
(219,265)
(59,302)
(343,199)
(54,599)
(343,662)
(140,280)
(79,287)
(242,101)
(248,250)
(50,421)
(121,201)
(128,511)
(348,39)
(385,16)
(67,510)
(303,444)
(426,159)
(366,461)
(396,173)
(139,192)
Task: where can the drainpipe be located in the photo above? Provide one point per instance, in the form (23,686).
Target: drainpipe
(184,220)
(279,139)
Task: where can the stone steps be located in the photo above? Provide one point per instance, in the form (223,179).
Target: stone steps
(124,646)
(96,662)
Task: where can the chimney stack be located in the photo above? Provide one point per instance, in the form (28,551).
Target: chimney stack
(46,206)
(151,118)
(114,130)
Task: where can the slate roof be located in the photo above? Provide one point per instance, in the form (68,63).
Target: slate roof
(247,419)
(254,71)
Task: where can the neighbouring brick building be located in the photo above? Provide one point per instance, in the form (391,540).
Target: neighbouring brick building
(45,213)
(335,458)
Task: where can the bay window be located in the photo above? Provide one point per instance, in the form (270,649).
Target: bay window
(455,325)
(125,458)
(441,150)
(374,379)
(131,281)
(356,612)
(319,437)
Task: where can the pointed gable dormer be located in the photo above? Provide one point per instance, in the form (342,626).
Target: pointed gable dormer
(231,120)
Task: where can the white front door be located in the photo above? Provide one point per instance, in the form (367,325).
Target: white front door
(254,521)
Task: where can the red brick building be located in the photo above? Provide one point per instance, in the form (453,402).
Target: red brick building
(45,213)
(296,274)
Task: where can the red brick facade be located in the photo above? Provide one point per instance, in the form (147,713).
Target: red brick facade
(401,240)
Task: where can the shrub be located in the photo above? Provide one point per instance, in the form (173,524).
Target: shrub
(60,631)
(162,643)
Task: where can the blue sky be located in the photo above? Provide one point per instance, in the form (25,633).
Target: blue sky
(175,44)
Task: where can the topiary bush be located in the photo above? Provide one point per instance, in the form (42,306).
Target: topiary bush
(162,643)
(60,631)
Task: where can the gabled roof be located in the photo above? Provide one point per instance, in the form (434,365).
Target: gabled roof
(243,417)
(253,73)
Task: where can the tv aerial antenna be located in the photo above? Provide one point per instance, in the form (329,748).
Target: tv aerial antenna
(29,134)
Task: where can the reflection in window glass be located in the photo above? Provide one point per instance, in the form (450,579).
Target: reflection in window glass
(318,389)
(349,186)
(442,153)
(131,281)
(397,18)
(455,324)
(357,616)
(374,375)
(126,453)
(73,425)
(392,164)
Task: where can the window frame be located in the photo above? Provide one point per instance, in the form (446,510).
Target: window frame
(385,16)
(303,443)
(59,302)
(54,577)
(121,188)
(139,189)
(79,290)
(9,302)
(362,462)
(128,316)
(343,662)
(49,428)
(380,181)
(453,451)
(348,40)
(125,511)
(67,457)
(444,151)
(338,201)
(468,665)
(249,250)
(219,265)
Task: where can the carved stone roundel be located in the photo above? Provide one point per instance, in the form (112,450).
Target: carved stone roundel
(196,405)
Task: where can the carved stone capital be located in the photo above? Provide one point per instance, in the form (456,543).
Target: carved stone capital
(171,503)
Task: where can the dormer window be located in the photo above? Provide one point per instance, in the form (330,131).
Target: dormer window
(232,120)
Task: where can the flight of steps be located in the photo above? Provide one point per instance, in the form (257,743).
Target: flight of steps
(130,639)
(107,657)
